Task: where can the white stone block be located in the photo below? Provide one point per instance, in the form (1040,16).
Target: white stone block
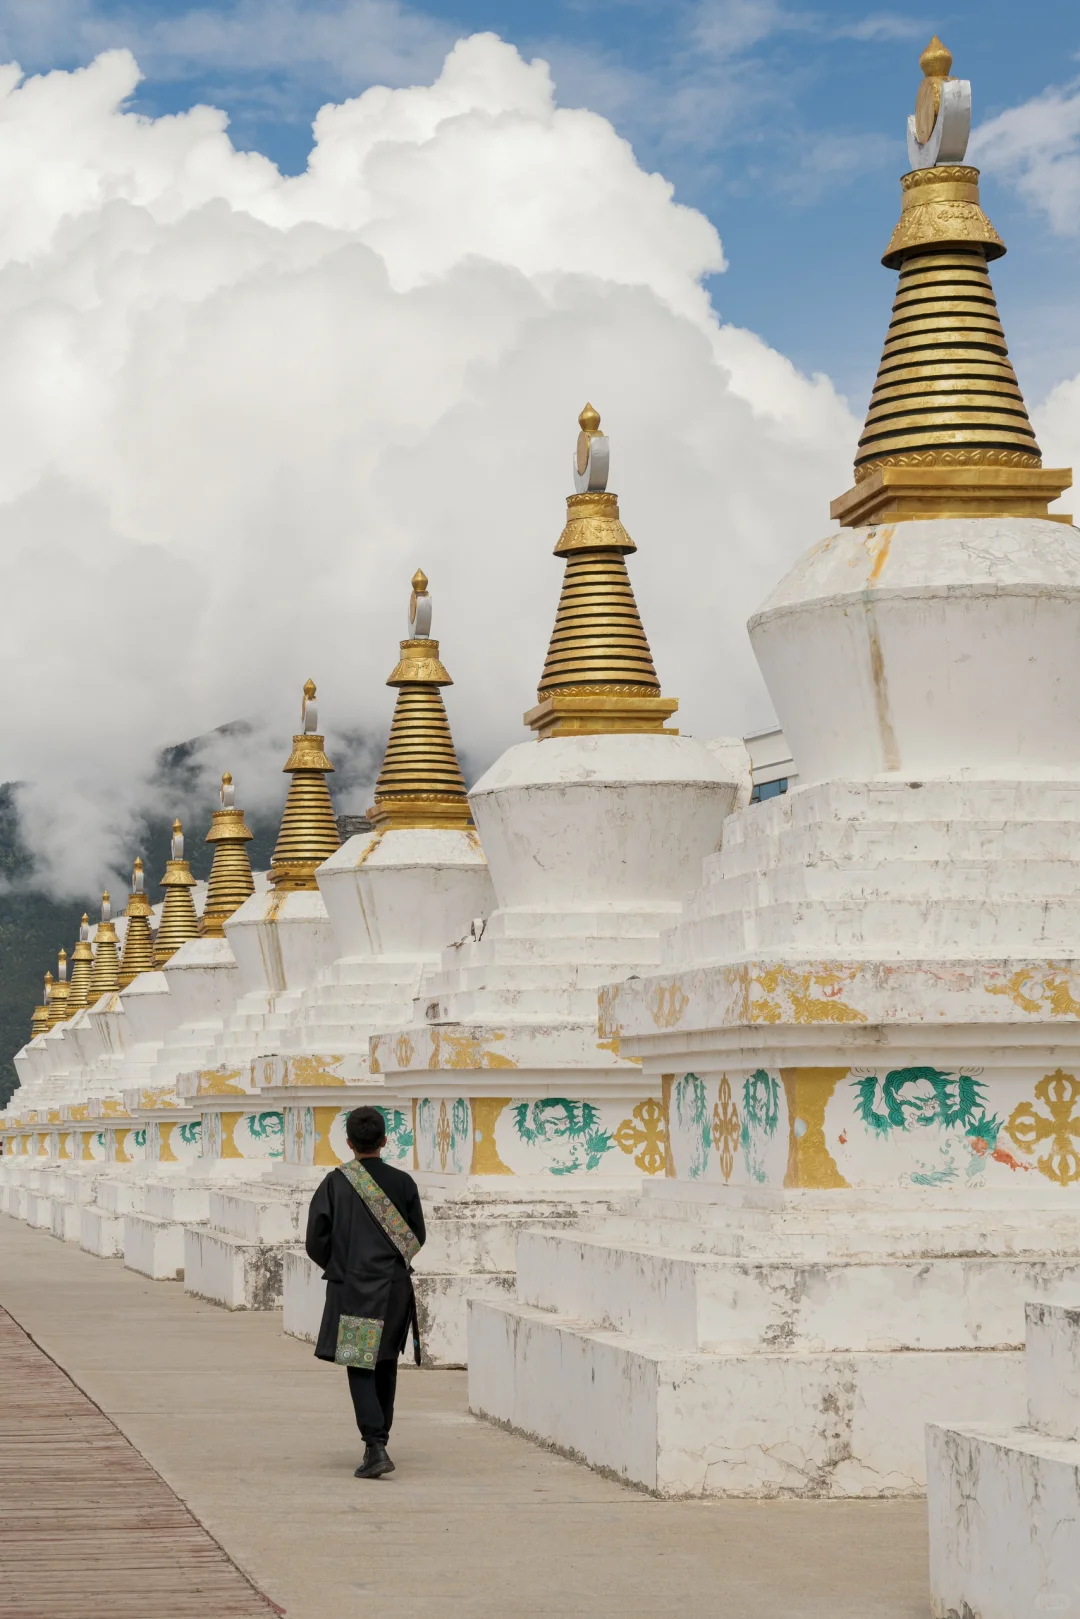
(232,1271)
(39,1211)
(66,1220)
(154,1247)
(265,1216)
(179,1200)
(1053,1370)
(727,1425)
(1004,1510)
(100,1233)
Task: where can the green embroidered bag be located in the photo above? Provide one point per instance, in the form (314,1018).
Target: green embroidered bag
(358,1339)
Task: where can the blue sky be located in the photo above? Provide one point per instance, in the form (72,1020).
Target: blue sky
(783,122)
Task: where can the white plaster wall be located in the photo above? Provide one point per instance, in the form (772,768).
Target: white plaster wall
(923,647)
(280,940)
(1053,1369)
(1004,1512)
(575,822)
(404,892)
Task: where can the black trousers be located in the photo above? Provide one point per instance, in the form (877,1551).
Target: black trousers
(373,1400)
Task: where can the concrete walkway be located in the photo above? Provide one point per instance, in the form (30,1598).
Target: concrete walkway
(257,1438)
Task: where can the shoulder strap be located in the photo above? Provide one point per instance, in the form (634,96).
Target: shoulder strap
(385,1213)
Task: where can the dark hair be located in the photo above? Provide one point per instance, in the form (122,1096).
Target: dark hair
(365,1128)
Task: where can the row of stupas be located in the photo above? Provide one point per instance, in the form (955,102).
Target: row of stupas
(766,1112)
(183,1113)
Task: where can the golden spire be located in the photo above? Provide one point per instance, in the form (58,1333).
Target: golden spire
(138,956)
(40,1021)
(58,999)
(308,833)
(105,976)
(178,920)
(599,673)
(231,881)
(82,961)
(420,783)
(947,433)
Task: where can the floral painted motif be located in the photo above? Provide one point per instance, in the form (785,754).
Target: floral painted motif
(1059,1124)
(399,1135)
(692,1120)
(760,1119)
(569,1130)
(725,1128)
(443,1134)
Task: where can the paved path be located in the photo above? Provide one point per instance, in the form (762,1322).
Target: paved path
(87,1529)
(257,1438)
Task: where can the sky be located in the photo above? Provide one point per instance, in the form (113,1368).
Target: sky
(253,373)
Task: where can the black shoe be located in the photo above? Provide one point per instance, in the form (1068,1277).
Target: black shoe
(375,1463)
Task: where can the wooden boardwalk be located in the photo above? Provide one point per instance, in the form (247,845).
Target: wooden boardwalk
(87,1528)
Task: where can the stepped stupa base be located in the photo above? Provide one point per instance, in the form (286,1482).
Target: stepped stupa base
(1004,1497)
(769,1344)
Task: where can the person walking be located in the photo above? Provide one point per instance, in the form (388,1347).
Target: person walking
(365,1227)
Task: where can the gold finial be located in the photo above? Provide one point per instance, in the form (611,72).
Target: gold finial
(308,833)
(947,433)
(39,1023)
(936,60)
(82,962)
(599,674)
(420,783)
(231,882)
(138,953)
(178,922)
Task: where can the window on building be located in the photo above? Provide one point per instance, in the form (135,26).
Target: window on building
(769,789)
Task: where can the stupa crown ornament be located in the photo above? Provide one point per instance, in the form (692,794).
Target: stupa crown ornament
(138,952)
(947,433)
(82,963)
(105,975)
(308,834)
(420,783)
(231,882)
(599,675)
(179,923)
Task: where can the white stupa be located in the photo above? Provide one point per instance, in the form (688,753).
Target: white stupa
(593,832)
(870,1009)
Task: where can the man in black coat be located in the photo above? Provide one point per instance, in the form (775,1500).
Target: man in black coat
(365,1225)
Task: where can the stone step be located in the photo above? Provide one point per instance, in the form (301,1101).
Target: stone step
(66,1220)
(1004,1511)
(760,1425)
(263,1216)
(154,1247)
(1053,1368)
(177,1200)
(706,1303)
(100,1232)
(232,1271)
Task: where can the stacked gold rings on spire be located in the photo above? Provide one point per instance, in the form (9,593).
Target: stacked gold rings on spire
(82,965)
(231,882)
(105,975)
(179,923)
(308,834)
(420,783)
(599,674)
(138,952)
(947,433)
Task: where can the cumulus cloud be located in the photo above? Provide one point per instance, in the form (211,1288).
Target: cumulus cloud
(1036,147)
(237,410)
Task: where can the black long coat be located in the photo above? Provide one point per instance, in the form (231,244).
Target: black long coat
(365,1275)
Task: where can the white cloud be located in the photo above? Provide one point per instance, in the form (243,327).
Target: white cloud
(237,411)
(1036,147)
